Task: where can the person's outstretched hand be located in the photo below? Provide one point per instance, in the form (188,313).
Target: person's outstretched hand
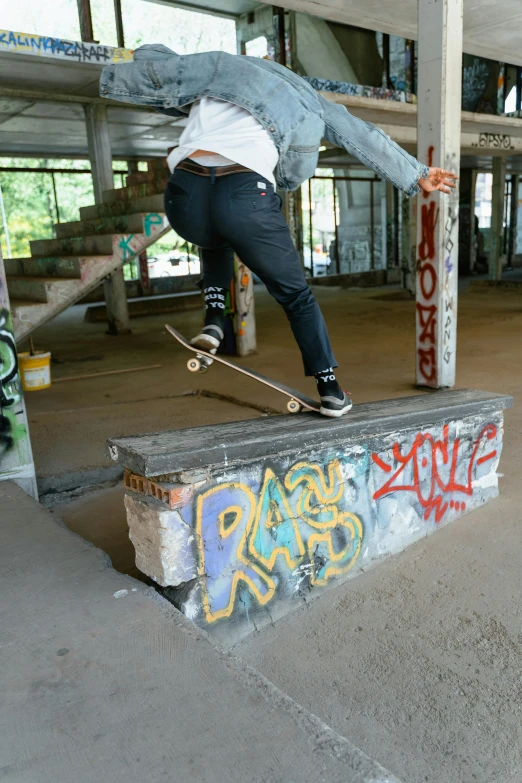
(438,179)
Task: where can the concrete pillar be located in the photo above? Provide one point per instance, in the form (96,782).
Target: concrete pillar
(513,221)
(496,234)
(16,457)
(439,112)
(409,242)
(392,227)
(466,220)
(245,320)
(474,235)
(100,156)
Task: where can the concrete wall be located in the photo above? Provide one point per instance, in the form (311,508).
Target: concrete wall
(355,230)
(241,546)
(319,51)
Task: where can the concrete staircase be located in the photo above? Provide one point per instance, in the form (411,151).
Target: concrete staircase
(61,271)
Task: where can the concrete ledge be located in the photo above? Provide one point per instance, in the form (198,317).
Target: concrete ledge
(242,522)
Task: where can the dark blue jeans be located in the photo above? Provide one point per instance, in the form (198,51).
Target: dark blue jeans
(231,213)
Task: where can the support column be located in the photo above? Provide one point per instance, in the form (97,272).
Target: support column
(466,220)
(513,221)
(496,234)
(16,457)
(439,120)
(101,166)
(245,320)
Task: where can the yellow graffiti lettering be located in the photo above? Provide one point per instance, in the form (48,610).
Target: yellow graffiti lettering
(261,585)
(323,513)
(348,553)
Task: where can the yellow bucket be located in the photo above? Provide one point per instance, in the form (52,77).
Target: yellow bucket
(35,370)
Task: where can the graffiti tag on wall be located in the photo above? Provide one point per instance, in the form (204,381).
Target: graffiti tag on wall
(11,41)
(260,534)
(428,469)
(10,387)
(499,141)
(297,524)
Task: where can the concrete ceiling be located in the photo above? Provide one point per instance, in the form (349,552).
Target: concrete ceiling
(491,29)
(33,127)
(233,8)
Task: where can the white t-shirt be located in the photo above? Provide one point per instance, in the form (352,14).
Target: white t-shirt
(229,131)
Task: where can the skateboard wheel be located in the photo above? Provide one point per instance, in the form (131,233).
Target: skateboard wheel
(293,406)
(194,365)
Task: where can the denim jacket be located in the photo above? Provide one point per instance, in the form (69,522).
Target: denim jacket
(297,117)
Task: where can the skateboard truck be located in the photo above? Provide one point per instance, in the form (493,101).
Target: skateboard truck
(199,363)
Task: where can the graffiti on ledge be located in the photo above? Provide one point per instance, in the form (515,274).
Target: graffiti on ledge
(47,46)
(241,534)
(429,467)
(279,530)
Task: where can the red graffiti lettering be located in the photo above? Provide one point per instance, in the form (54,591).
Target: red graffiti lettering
(427,321)
(427,271)
(427,287)
(429,217)
(429,470)
(427,364)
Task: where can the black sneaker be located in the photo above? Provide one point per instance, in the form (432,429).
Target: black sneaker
(334,406)
(209,338)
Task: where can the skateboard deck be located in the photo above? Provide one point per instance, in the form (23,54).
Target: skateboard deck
(204,359)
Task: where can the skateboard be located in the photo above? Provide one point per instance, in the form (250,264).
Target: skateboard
(203,359)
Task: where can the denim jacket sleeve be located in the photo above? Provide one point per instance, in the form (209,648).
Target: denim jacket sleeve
(372,147)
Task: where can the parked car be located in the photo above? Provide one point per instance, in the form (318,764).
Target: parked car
(173,264)
(322,263)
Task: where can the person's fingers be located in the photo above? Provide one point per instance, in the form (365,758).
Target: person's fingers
(449,175)
(449,183)
(443,189)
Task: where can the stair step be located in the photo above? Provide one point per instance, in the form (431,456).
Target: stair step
(100,245)
(19,304)
(49,266)
(125,206)
(121,224)
(32,289)
(157,185)
(158,171)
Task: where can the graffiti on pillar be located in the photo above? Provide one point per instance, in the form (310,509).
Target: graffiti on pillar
(438,472)
(436,270)
(295,527)
(427,287)
(10,388)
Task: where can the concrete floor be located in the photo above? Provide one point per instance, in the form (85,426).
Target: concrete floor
(419,662)
(103,680)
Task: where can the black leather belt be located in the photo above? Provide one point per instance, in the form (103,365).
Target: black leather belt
(205,171)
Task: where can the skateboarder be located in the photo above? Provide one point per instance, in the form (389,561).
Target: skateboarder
(251,125)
